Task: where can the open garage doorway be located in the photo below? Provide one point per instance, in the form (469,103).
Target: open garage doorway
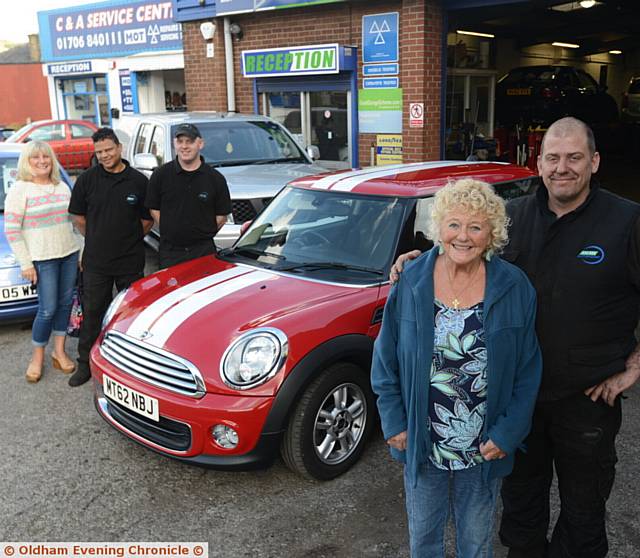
(514,67)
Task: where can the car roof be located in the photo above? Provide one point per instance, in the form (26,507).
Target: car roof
(543,66)
(412,180)
(196,117)
(12,148)
(61,121)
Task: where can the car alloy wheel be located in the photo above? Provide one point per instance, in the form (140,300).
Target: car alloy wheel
(330,424)
(340,423)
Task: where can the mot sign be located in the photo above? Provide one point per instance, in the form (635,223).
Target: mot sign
(380,38)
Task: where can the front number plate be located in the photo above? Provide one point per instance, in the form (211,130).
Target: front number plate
(17,292)
(519,91)
(130,398)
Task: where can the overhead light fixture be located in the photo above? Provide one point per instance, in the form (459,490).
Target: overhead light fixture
(571,6)
(475,34)
(615,52)
(565,45)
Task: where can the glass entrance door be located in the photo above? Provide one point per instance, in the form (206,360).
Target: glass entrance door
(329,127)
(319,118)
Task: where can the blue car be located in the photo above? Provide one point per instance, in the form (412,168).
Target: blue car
(18,297)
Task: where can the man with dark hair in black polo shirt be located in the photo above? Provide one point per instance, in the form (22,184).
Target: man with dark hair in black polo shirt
(107,204)
(188,199)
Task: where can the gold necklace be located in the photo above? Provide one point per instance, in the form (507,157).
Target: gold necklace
(455,302)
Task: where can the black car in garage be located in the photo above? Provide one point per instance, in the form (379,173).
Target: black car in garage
(539,95)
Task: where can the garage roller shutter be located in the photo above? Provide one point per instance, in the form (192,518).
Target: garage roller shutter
(337,82)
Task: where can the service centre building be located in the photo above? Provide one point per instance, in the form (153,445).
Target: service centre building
(388,81)
(111,58)
(340,75)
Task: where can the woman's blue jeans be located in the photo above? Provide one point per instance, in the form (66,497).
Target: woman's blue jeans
(472,501)
(56,280)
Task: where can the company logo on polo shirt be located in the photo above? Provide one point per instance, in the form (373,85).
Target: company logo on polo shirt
(203,196)
(132,199)
(591,255)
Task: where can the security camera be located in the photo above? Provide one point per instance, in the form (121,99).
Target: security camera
(236,30)
(208,30)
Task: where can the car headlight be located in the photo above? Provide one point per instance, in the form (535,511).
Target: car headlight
(9,260)
(254,358)
(113,307)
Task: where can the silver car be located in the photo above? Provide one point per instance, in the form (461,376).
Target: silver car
(256,155)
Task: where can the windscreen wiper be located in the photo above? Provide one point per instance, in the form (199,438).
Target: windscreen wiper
(331,265)
(229,163)
(278,160)
(252,252)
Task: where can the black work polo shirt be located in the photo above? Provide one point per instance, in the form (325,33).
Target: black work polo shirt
(585,267)
(113,205)
(189,202)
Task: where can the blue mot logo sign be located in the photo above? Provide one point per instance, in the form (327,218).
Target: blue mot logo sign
(290,61)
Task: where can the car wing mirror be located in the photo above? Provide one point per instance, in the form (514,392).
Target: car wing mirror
(313,152)
(145,161)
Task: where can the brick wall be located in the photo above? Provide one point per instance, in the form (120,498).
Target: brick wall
(24,94)
(420,59)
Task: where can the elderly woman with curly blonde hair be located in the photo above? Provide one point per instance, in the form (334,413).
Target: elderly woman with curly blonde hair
(456,369)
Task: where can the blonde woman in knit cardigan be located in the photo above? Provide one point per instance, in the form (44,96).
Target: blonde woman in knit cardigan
(38,228)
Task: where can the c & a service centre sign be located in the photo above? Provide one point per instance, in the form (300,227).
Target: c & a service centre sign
(116,28)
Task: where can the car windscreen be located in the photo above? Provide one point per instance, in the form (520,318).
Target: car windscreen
(529,76)
(228,143)
(8,175)
(334,236)
(16,135)
(634,87)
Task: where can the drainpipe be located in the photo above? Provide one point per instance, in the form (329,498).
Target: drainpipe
(228,57)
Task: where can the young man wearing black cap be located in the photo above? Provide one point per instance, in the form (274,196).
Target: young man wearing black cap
(188,199)
(107,204)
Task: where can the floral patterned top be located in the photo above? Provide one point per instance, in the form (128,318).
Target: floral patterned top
(458,387)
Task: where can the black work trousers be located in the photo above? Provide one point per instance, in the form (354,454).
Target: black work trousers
(97,293)
(174,255)
(577,436)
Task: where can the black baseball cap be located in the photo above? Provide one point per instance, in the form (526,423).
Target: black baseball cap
(187,130)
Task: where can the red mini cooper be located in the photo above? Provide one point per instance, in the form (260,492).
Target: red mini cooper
(223,361)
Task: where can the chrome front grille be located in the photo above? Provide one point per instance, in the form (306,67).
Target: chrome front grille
(243,210)
(152,365)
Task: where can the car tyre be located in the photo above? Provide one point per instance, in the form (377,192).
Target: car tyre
(330,424)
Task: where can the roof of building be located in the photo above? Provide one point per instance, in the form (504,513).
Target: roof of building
(19,54)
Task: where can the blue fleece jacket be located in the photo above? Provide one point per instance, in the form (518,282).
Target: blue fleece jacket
(404,350)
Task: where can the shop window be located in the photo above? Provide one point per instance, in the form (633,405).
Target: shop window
(80,131)
(84,85)
(464,51)
(52,132)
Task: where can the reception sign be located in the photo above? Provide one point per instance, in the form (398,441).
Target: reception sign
(290,61)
